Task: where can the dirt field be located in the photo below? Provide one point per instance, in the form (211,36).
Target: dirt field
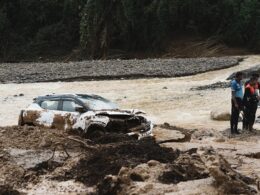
(198,158)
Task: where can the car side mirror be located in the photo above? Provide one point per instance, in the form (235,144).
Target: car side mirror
(80,109)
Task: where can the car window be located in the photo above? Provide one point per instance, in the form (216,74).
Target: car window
(50,104)
(70,106)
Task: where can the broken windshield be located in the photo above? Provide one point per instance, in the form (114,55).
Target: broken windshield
(97,103)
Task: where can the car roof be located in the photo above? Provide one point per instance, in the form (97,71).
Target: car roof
(69,95)
(49,96)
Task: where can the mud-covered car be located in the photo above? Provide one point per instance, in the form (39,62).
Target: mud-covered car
(92,115)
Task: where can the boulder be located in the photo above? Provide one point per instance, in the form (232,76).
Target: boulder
(220,115)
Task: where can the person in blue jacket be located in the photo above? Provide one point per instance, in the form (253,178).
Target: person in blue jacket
(236,101)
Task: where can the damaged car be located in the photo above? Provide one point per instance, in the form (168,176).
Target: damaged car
(91,115)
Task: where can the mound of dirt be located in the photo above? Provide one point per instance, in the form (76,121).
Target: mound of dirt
(30,137)
(152,176)
(187,167)
(113,138)
(227,179)
(112,164)
(109,159)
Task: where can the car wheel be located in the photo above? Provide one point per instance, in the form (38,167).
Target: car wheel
(95,132)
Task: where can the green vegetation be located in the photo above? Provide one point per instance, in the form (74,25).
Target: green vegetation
(31,28)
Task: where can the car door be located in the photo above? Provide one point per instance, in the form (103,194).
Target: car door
(46,116)
(70,113)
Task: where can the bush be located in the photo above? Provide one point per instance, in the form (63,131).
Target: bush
(36,27)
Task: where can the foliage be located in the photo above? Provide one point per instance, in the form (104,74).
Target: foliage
(50,27)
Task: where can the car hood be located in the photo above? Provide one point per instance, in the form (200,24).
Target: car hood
(129,112)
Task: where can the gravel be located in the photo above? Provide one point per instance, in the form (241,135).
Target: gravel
(247,72)
(110,69)
(214,86)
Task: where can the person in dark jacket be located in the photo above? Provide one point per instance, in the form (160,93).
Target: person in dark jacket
(236,101)
(250,102)
(257,86)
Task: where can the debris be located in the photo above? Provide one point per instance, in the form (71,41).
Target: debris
(84,143)
(227,179)
(93,167)
(186,167)
(115,163)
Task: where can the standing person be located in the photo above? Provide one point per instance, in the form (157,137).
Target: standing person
(250,102)
(236,101)
(253,75)
(257,86)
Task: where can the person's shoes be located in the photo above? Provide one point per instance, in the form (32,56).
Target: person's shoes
(237,132)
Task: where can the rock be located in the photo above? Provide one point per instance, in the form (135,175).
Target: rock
(140,173)
(153,163)
(166,124)
(110,185)
(220,115)
(221,139)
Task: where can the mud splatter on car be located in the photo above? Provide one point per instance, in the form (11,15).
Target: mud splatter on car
(91,115)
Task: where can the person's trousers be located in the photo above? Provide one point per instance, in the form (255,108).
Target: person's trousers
(249,116)
(235,114)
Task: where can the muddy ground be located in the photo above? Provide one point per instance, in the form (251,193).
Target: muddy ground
(37,160)
(196,157)
(110,69)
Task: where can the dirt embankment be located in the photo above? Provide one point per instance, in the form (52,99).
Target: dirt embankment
(50,160)
(111,69)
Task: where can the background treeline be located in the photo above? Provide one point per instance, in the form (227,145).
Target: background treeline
(33,28)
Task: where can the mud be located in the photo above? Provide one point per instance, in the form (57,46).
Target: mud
(188,166)
(116,164)
(118,69)
(109,159)
(8,190)
(254,155)
(30,137)
(29,164)
(154,177)
(227,179)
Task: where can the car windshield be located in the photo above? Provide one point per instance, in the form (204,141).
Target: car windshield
(95,102)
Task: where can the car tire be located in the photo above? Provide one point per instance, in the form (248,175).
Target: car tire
(95,132)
